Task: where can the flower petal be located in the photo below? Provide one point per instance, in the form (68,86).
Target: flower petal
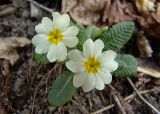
(76,55)
(40,29)
(61,52)
(78,79)
(71,31)
(55,15)
(74,66)
(110,65)
(88,48)
(39,39)
(51,53)
(70,41)
(99,83)
(107,60)
(42,48)
(48,24)
(62,22)
(98,47)
(89,83)
(111,55)
(57,52)
(105,76)
(70,38)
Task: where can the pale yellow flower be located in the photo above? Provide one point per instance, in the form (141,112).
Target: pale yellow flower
(92,67)
(54,36)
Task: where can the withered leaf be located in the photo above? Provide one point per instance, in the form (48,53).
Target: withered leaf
(7,9)
(145,6)
(3,111)
(119,12)
(151,23)
(144,47)
(8,48)
(84,11)
(90,12)
(149,67)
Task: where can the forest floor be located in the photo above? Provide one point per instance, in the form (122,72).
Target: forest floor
(24,89)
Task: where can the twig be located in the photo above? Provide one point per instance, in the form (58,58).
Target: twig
(116,99)
(41,6)
(102,97)
(141,92)
(36,72)
(103,109)
(90,102)
(29,73)
(35,93)
(49,75)
(5,72)
(126,99)
(81,107)
(7,9)
(141,97)
(152,72)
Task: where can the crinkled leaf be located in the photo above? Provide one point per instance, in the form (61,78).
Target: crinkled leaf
(81,36)
(62,89)
(86,33)
(117,36)
(72,23)
(41,58)
(127,65)
(91,31)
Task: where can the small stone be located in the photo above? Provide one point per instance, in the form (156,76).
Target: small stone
(51,108)
(26,111)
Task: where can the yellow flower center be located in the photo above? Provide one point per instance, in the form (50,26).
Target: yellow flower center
(55,36)
(92,65)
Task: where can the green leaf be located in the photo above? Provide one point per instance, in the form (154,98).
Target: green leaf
(86,33)
(81,36)
(127,66)
(117,36)
(62,89)
(72,23)
(41,58)
(91,31)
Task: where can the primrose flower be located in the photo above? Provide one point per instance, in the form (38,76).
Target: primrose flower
(92,67)
(54,36)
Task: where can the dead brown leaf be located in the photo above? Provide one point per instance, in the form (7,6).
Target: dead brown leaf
(150,71)
(151,23)
(94,11)
(145,6)
(157,58)
(124,106)
(118,12)
(7,9)
(8,48)
(157,82)
(142,80)
(2,111)
(149,67)
(5,72)
(5,68)
(84,11)
(19,86)
(34,10)
(156,15)
(144,47)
